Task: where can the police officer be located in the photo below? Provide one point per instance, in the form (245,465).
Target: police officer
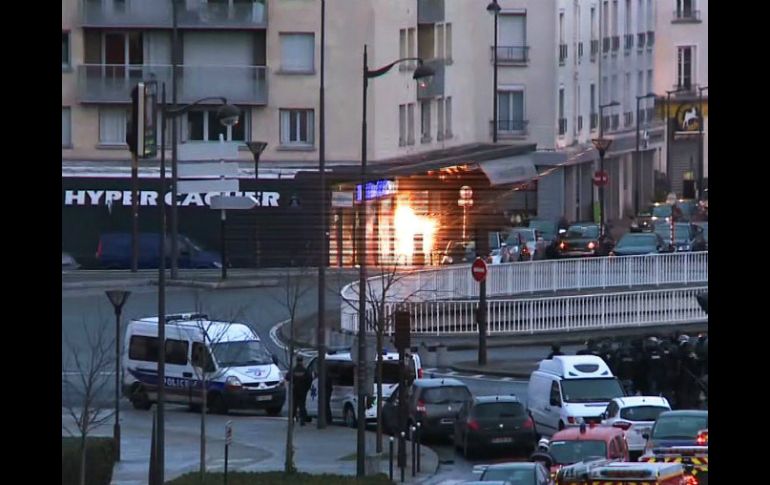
(687,386)
(300,385)
(655,367)
(590,348)
(625,367)
(607,355)
(555,350)
(669,353)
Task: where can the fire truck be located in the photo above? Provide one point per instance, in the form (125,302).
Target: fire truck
(694,459)
(607,472)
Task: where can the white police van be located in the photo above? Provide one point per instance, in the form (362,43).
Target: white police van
(340,369)
(239,371)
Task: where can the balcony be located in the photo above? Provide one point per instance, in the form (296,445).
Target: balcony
(640,40)
(594,49)
(615,43)
(430,11)
(510,127)
(243,14)
(686,16)
(606,44)
(615,122)
(628,119)
(562,126)
(510,54)
(562,54)
(650,39)
(435,86)
(594,121)
(628,42)
(110,83)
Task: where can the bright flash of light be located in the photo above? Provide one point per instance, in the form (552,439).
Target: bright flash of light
(407,225)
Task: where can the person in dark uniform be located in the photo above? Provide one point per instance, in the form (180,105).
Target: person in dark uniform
(589,350)
(555,350)
(625,367)
(300,385)
(331,377)
(656,368)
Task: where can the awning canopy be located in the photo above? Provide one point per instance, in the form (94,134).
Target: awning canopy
(509,170)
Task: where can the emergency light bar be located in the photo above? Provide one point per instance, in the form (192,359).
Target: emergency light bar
(682,451)
(638,473)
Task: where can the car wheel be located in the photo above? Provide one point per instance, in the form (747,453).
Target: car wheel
(139,398)
(217,404)
(350,417)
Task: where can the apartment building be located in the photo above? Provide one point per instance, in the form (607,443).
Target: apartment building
(681,75)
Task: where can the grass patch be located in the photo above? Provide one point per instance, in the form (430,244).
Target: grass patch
(100,457)
(278,478)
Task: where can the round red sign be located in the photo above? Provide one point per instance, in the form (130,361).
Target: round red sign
(601,178)
(479,270)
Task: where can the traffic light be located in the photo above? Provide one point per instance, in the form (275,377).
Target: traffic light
(403,329)
(141,129)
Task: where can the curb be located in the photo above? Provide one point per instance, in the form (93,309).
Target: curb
(219,285)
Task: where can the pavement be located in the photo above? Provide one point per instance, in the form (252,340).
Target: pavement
(258,444)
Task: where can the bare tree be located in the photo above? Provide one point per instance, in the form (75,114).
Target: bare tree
(93,363)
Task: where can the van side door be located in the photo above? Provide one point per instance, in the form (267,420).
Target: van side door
(311,399)
(554,405)
(179,378)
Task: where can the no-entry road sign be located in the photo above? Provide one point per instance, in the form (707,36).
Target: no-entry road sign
(479,270)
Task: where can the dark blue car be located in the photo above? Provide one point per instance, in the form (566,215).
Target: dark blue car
(114,252)
(677,428)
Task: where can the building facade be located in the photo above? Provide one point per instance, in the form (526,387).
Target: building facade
(681,74)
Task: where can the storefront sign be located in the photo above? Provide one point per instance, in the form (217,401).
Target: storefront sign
(377,189)
(342,199)
(150,198)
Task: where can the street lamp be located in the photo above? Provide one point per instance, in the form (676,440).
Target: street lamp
(602,145)
(680,89)
(494,9)
(637,165)
(701,147)
(118,299)
(422,73)
(256,148)
(227,115)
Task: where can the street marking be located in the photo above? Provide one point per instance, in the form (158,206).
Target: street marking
(506,378)
(274,335)
(477,376)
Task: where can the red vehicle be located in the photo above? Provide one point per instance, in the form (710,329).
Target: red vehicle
(584,443)
(622,473)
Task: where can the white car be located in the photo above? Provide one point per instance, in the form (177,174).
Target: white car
(635,415)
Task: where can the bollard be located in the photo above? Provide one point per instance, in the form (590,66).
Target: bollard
(390,465)
(399,464)
(411,439)
(419,425)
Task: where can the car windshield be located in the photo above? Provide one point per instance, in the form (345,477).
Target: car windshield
(526,236)
(578,232)
(591,390)
(518,476)
(681,231)
(446,394)
(547,228)
(637,241)
(642,413)
(679,427)
(568,452)
(497,410)
(237,354)
(661,211)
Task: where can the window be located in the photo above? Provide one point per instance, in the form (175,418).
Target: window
(202,125)
(684,64)
(402,48)
(440,119)
(640,16)
(562,119)
(143,348)
(201,355)
(65,50)
(650,16)
(614,25)
(561,27)
(650,86)
(176,352)
(66,127)
(555,394)
(410,124)
(410,46)
(425,121)
(512,38)
(640,84)
(297,52)
(297,127)
(112,126)
(448,117)
(510,110)
(684,9)
(593,23)
(628,17)
(448,39)
(440,41)
(401,125)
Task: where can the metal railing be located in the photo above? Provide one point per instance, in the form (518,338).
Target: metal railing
(112,83)
(594,48)
(510,54)
(510,126)
(628,42)
(606,42)
(190,14)
(640,40)
(454,285)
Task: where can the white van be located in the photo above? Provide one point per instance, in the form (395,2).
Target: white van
(241,373)
(340,368)
(570,387)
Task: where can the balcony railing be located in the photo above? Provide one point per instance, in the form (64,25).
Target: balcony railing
(686,16)
(510,54)
(606,44)
(510,127)
(190,14)
(112,83)
(650,39)
(594,121)
(430,11)
(615,43)
(605,122)
(562,126)
(594,49)
(629,42)
(615,121)
(435,86)
(628,119)
(640,40)
(562,54)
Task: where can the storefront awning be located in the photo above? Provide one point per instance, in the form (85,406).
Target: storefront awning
(509,170)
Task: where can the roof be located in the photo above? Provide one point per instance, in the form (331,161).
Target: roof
(217,331)
(492,399)
(685,412)
(629,401)
(576,366)
(603,433)
(438,382)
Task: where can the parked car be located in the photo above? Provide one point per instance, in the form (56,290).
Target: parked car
(584,239)
(527,244)
(434,403)
(517,473)
(635,415)
(677,428)
(68,262)
(687,236)
(550,230)
(704,226)
(634,244)
(494,422)
(114,252)
(459,252)
(643,222)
